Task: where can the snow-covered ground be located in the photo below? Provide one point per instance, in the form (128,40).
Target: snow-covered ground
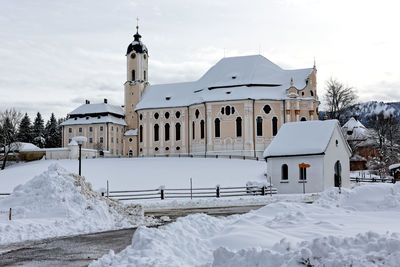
(145,173)
(357,228)
(58,203)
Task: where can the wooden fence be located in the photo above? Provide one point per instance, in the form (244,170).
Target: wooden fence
(172,193)
(373,180)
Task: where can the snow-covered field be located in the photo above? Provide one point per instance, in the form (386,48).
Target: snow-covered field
(145,173)
(58,203)
(360,227)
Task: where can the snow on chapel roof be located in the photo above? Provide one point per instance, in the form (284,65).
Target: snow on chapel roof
(233,78)
(302,138)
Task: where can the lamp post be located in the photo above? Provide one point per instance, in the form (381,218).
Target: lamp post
(80,140)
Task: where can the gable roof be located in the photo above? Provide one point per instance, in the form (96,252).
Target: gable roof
(233,78)
(356,128)
(302,138)
(97,108)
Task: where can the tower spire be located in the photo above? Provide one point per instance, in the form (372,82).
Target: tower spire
(137,24)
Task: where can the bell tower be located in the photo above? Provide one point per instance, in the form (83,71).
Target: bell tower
(136,78)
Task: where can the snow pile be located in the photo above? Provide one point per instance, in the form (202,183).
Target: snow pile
(57,203)
(356,228)
(377,197)
(369,249)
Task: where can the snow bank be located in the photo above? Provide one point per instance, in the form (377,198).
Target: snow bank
(369,249)
(57,203)
(377,197)
(358,227)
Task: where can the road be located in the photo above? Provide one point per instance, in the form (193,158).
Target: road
(80,250)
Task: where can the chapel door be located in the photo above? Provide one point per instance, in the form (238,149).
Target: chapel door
(338,174)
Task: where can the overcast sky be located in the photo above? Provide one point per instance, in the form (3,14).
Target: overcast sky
(56,54)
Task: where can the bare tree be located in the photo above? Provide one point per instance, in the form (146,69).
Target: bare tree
(338,98)
(9,121)
(386,128)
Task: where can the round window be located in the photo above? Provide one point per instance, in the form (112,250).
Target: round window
(141,149)
(156,115)
(177,114)
(133,55)
(267,109)
(178,148)
(166,115)
(156,149)
(130,140)
(167,148)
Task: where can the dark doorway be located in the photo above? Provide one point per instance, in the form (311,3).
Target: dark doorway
(338,174)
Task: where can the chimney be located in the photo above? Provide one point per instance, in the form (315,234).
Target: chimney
(87,101)
(105,100)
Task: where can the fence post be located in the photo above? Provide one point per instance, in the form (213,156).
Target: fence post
(218,191)
(162,193)
(9,215)
(263,190)
(191,190)
(108,190)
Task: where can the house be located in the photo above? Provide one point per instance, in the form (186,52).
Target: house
(102,124)
(308,157)
(235,108)
(394,170)
(361,142)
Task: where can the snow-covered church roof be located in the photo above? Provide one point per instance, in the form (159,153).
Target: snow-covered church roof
(302,138)
(233,78)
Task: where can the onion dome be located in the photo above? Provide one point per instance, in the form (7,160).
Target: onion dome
(137,44)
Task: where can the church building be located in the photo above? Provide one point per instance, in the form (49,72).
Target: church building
(235,108)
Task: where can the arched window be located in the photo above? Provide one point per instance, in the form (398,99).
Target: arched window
(156,132)
(166,115)
(238,127)
(217,125)
(228,110)
(141,133)
(303,119)
(130,153)
(197,113)
(193,130)
(284,175)
(178,131)
(166,131)
(312,93)
(133,75)
(223,110)
(259,126)
(274,126)
(202,129)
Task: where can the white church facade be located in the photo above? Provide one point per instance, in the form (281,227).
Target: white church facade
(235,108)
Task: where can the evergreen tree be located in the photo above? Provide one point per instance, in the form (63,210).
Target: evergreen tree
(51,134)
(25,130)
(59,132)
(38,131)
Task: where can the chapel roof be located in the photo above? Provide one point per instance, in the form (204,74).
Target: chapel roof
(302,138)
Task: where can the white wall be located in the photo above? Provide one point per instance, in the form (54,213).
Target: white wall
(314,174)
(333,154)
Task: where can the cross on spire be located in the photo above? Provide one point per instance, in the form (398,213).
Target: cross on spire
(137,24)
